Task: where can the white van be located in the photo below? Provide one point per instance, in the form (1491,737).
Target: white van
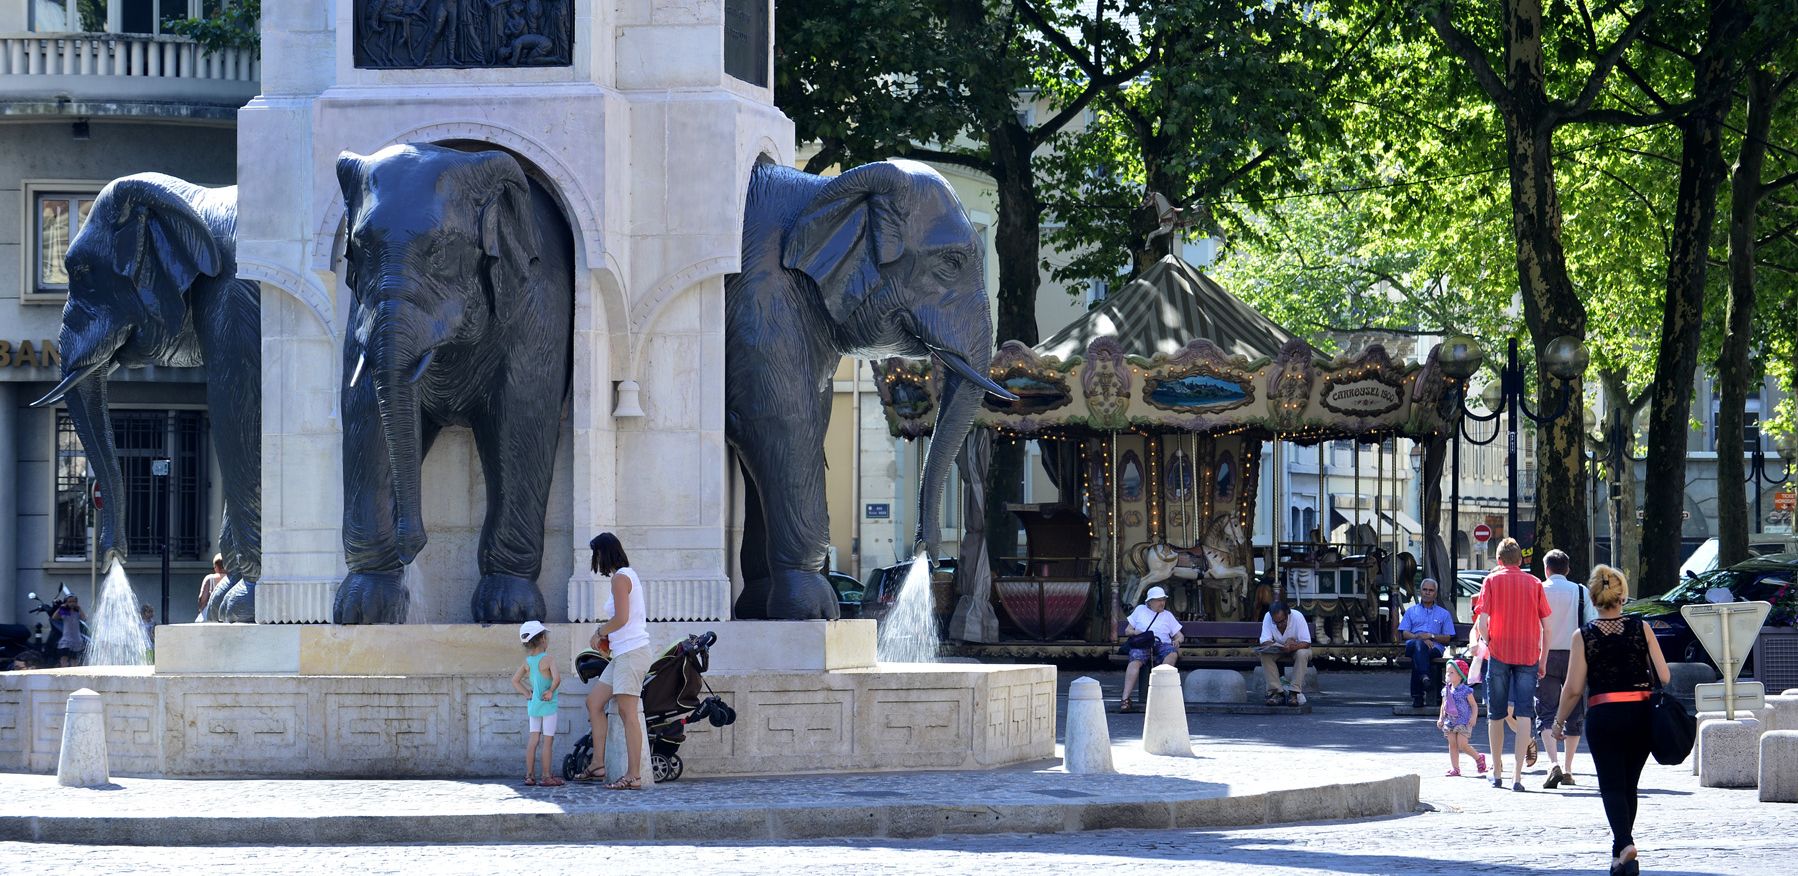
(1704,559)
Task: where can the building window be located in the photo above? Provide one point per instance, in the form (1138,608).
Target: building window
(55,212)
(141,438)
(1751,422)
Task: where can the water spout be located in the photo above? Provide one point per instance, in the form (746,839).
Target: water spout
(118,632)
(908,633)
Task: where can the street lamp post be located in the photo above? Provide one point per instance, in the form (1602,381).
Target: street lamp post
(1787,446)
(1565,358)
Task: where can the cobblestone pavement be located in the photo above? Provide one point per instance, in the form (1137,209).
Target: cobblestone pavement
(1466,826)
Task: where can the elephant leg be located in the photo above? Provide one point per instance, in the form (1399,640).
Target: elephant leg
(785,460)
(752,561)
(234,393)
(518,455)
(374,591)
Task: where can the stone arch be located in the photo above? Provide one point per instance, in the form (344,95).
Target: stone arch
(304,286)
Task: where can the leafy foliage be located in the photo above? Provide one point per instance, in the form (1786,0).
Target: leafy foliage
(235,25)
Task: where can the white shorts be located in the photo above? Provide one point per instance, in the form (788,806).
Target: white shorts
(545,725)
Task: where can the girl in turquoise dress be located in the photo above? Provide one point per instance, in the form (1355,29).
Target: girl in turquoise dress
(541,700)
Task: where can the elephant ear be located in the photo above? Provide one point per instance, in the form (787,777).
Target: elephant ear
(158,235)
(851,228)
(509,236)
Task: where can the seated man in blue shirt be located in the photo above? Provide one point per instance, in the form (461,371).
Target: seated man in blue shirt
(1426,629)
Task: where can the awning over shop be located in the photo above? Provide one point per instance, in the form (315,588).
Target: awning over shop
(1406,521)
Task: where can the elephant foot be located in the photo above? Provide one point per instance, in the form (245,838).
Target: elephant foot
(752,603)
(371,598)
(238,605)
(800,595)
(506,599)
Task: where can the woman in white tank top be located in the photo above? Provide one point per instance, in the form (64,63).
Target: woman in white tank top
(626,636)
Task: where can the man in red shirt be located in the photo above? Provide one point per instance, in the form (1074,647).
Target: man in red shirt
(1515,612)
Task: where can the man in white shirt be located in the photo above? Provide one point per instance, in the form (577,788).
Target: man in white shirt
(1284,637)
(1150,617)
(1571,606)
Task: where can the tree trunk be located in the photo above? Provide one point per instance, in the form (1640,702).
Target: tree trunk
(1018,240)
(1733,374)
(1701,172)
(1551,307)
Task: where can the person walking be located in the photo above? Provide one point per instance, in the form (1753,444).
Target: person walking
(626,635)
(1153,617)
(1571,607)
(1427,628)
(1455,717)
(1614,662)
(1517,613)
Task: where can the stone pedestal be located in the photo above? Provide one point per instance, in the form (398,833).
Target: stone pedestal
(81,762)
(422,701)
(1779,766)
(1779,713)
(1088,745)
(1215,686)
(1164,728)
(1728,753)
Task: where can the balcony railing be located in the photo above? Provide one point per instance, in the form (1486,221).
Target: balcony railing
(115,67)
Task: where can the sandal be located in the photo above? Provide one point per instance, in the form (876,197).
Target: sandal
(551,782)
(1274,698)
(1479,760)
(589,775)
(1452,773)
(625,785)
(530,781)
(1126,706)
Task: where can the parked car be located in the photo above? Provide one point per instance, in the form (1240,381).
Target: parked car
(1467,585)
(849,593)
(1704,558)
(881,589)
(1769,578)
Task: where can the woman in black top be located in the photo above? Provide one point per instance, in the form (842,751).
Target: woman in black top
(1614,660)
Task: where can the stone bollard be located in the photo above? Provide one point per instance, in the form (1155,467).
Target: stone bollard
(1088,746)
(616,751)
(1164,729)
(1215,686)
(1700,719)
(1780,713)
(82,761)
(1730,753)
(1779,766)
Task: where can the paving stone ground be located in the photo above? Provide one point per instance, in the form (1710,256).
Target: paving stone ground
(1465,825)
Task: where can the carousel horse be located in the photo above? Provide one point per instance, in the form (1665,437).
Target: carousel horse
(1204,564)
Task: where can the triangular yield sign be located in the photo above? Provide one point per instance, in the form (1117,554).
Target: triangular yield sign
(1744,619)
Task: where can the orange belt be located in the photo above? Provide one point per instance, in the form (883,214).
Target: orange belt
(1621,696)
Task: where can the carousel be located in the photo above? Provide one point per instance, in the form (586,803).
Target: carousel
(1152,412)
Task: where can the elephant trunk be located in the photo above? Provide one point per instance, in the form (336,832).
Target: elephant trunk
(960,401)
(397,398)
(93,424)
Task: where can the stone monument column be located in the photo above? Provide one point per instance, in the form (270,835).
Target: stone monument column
(643,120)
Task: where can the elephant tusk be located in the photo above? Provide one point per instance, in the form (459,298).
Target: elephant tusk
(960,366)
(357,374)
(70,382)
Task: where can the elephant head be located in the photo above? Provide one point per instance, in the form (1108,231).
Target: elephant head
(132,271)
(901,272)
(440,249)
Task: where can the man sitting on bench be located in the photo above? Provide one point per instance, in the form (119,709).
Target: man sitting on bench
(1284,637)
(1426,628)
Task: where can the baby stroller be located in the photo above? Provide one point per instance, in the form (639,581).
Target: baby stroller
(671,701)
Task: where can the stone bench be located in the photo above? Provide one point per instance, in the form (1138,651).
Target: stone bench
(1216,686)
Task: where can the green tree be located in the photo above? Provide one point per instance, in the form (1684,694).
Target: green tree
(232,25)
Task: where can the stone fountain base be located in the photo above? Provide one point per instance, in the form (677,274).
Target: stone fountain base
(245,700)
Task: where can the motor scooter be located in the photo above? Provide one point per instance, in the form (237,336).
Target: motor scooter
(53,638)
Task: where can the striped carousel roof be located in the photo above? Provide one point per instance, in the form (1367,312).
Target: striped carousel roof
(1167,307)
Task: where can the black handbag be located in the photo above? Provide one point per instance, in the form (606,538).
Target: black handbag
(1142,641)
(1671,729)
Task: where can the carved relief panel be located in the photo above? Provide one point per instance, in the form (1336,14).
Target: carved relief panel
(415,34)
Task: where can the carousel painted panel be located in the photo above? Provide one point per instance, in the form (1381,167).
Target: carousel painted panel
(1199,388)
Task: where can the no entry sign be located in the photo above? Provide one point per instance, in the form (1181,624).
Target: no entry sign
(1482,533)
